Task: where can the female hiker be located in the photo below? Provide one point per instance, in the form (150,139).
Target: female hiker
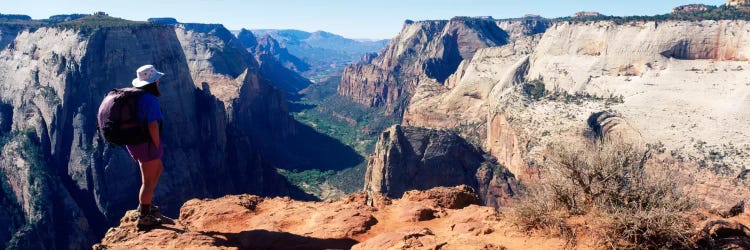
(148,155)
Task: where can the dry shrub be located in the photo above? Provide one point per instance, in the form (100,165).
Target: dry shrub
(607,183)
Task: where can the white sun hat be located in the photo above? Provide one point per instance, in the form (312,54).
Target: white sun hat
(146,74)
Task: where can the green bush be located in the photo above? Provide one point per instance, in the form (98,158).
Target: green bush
(534,89)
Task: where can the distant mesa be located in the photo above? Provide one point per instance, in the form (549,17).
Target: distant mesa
(582,14)
(690,8)
(15,17)
(484,17)
(532,16)
(163,20)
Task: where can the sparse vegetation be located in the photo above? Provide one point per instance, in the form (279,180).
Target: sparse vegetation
(625,203)
(722,12)
(579,97)
(25,145)
(308,177)
(534,89)
(350,123)
(90,23)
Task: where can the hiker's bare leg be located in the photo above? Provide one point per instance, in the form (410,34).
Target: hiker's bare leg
(150,172)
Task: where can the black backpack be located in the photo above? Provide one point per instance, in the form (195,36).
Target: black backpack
(118,118)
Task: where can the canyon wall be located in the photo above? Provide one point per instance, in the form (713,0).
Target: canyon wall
(408,158)
(423,51)
(215,103)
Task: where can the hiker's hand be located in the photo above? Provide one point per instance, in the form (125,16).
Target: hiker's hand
(153,131)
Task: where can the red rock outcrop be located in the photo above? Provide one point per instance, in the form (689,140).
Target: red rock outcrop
(440,217)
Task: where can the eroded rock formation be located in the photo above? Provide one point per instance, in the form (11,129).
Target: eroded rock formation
(215,103)
(279,66)
(407,158)
(423,51)
(440,217)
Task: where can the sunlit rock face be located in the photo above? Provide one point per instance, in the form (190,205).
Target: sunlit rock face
(423,51)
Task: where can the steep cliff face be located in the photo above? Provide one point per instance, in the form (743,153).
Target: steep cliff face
(523,27)
(215,58)
(240,112)
(36,209)
(247,38)
(252,111)
(407,158)
(280,67)
(423,51)
(462,102)
(52,82)
(54,79)
(260,106)
(271,46)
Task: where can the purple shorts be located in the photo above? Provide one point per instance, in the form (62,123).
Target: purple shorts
(145,152)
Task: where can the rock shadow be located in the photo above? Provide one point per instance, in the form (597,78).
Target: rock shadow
(263,239)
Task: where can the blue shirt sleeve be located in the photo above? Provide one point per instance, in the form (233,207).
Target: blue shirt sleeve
(149,108)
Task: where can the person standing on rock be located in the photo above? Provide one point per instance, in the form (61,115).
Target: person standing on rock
(149,154)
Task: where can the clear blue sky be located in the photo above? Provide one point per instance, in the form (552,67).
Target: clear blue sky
(350,18)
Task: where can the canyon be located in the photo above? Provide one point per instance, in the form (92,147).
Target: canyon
(647,73)
(476,102)
(64,186)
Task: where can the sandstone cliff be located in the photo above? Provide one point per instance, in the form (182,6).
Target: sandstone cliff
(525,26)
(680,85)
(463,101)
(253,103)
(423,51)
(677,87)
(663,70)
(407,158)
(51,83)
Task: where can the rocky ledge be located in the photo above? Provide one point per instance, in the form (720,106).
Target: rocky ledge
(439,218)
(446,218)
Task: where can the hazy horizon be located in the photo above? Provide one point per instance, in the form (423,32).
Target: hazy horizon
(356,20)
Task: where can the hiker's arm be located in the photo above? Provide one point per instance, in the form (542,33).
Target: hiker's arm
(153,131)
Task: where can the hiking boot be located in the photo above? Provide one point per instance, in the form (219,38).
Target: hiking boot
(147,218)
(146,222)
(155,211)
